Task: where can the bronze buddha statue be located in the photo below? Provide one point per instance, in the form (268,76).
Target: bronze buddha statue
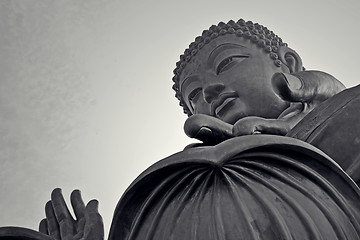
(239,78)
(241,87)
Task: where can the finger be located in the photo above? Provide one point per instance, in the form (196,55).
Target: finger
(52,224)
(92,206)
(207,128)
(256,125)
(275,127)
(63,216)
(77,204)
(94,228)
(92,214)
(80,227)
(61,211)
(246,126)
(79,210)
(43,227)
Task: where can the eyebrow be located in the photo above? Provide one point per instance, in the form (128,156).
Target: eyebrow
(188,81)
(219,49)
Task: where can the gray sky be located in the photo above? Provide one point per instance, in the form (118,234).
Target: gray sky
(86,99)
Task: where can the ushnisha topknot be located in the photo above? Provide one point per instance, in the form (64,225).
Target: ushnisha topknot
(258,34)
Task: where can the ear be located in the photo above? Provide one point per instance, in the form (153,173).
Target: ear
(290,58)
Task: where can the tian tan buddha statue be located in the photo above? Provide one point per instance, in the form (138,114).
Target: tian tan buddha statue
(279,157)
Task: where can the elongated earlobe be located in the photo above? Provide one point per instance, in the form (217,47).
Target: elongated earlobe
(290,58)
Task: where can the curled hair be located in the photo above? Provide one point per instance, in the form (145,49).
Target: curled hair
(256,33)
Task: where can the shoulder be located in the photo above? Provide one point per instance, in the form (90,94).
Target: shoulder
(334,127)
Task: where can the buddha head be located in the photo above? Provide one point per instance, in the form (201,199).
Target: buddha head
(226,72)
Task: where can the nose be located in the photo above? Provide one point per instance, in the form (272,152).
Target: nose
(212,91)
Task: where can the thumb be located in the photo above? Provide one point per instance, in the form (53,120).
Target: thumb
(207,128)
(306,86)
(289,87)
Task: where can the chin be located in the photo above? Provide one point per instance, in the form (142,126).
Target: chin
(233,117)
(234,112)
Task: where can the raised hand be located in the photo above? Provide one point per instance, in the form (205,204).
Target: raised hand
(60,225)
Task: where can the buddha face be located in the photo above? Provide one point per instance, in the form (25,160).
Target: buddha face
(230,78)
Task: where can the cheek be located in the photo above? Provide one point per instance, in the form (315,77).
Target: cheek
(247,74)
(200,106)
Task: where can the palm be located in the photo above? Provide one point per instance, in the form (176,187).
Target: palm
(60,225)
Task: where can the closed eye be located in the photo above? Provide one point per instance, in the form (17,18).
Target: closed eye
(193,97)
(194,94)
(229,62)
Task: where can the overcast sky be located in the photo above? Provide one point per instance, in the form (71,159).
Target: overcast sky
(85,95)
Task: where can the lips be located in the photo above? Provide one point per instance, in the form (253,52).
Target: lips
(224,101)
